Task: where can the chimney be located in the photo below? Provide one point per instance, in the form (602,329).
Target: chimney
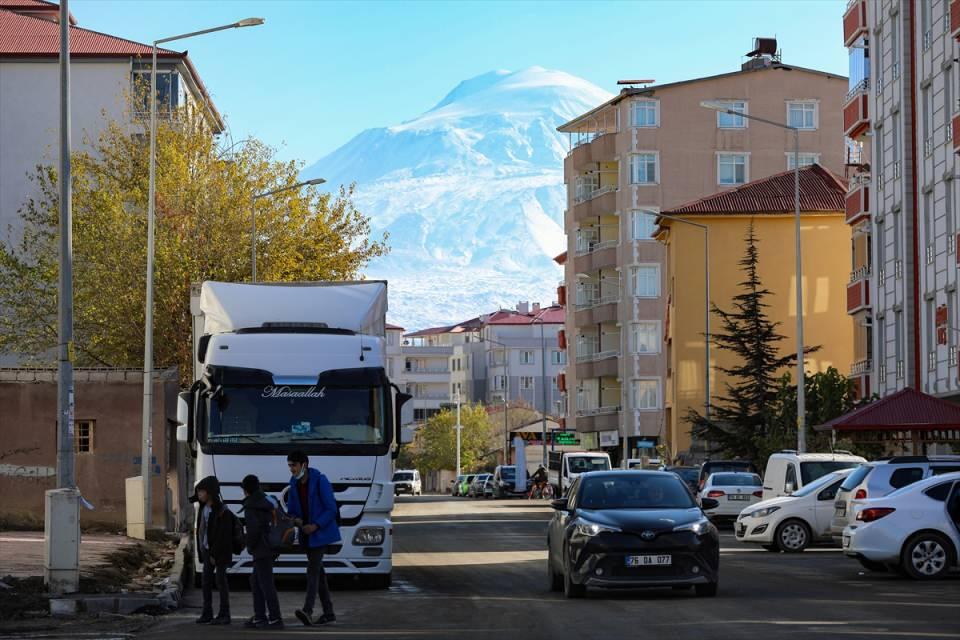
(523,307)
(536,307)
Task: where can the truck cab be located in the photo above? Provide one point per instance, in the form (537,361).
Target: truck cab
(563,467)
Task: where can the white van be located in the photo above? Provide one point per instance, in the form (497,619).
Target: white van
(563,467)
(407,481)
(788,470)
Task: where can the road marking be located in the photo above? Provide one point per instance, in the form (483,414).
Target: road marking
(40,540)
(464,558)
(888,602)
(484,521)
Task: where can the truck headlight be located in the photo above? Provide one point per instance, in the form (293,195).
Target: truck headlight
(366,536)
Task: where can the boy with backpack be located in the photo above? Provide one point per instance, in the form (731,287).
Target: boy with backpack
(260,514)
(311,502)
(219,536)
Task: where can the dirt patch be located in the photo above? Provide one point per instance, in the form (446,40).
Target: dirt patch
(23,598)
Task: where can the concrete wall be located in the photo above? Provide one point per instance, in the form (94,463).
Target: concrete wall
(113,399)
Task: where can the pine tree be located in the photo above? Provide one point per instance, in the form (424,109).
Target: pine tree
(741,418)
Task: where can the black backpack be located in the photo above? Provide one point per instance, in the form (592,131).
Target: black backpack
(238,541)
(281,530)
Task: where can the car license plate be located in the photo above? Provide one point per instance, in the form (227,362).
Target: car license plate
(649,561)
(841,510)
(738,496)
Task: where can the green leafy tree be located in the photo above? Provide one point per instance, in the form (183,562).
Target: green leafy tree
(436,442)
(203,211)
(742,417)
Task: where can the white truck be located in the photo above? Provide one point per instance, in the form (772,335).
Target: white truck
(299,366)
(563,467)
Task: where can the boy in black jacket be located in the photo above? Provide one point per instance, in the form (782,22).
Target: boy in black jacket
(258,512)
(215,545)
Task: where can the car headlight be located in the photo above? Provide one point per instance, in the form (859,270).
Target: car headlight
(763,513)
(590,529)
(368,536)
(699,527)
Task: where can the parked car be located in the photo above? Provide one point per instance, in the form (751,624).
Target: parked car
(792,523)
(407,481)
(690,476)
(465,485)
(880,478)
(915,529)
(733,491)
(505,481)
(710,467)
(476,487)
(454,488)
(631,529)
(488,487)
(788,470)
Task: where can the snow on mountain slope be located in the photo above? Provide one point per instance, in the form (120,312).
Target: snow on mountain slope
(471,193)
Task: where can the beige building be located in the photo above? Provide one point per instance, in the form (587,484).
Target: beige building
(646,150)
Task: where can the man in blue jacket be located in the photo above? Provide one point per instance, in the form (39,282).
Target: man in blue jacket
(310,501)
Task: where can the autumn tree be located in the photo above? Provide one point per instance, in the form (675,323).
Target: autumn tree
(203,232)
(435,447)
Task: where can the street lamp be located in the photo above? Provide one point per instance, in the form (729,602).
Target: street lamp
(801,376)
(147,445)
(506,393)
(706,299)
(543,375)
(253,218)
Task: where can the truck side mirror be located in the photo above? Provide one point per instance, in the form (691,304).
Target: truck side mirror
(404,408)
(184,417)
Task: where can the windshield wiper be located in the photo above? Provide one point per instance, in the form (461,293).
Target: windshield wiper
(319,439)
(226,439)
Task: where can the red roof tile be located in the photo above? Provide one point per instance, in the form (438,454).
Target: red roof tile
(547,315)
(905,410)
(393,327)
(820,190)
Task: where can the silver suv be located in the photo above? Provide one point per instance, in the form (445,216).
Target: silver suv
(877,479)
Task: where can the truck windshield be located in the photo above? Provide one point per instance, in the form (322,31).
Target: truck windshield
(583,464)
(402,475)
(291,414)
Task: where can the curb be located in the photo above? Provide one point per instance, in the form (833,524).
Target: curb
(179,574)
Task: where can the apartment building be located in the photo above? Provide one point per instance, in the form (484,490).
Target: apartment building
(648,149)
(901,114)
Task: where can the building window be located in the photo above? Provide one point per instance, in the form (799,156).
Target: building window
(643,224)
(558,357)
(526,382)
(527,357)
(645,113)
(83,436)
(806,159)
(168,90)
(802,115)
(646,394)
(645,281)
(732,168)
(730,120)
(643,168)
(645,337)
(499,383)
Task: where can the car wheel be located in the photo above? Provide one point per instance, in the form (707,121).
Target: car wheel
(708,590)
(793,536)
(553,578)
(571,589)
(872,565)
(926,556)
(771,547)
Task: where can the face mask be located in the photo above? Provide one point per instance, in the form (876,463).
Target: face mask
(303,470)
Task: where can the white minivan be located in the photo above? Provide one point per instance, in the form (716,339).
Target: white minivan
(407,481)
(788,470)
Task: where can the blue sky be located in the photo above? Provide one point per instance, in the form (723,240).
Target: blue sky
(317,73)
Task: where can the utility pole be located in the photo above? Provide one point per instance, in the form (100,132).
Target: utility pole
(459,427)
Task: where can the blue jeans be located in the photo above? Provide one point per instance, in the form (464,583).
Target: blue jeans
(264,590)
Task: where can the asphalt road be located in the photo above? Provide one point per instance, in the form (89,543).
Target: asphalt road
(475,569)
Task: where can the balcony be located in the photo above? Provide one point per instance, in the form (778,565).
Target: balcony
(593,148)
(417,350)
(600,255)
(858,200)
(854,21)
(858,290)
(598,419)
(861,367)
(955,19)
(603,364)
(602,201)
(856,112)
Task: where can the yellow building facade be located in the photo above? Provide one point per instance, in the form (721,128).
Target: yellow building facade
(769,205)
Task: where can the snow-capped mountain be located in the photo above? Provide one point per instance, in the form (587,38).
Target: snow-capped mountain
(471,193)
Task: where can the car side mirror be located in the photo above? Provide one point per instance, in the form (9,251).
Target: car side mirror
(709,503)
(559,504)
(789,488)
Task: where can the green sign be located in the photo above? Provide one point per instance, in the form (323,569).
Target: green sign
(566,438)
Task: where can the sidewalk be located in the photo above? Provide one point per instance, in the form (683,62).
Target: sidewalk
(21,552)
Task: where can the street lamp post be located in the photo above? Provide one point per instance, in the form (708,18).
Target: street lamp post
(147,446)
(253,219)
(458,427)
(506,393)
(706,300)
(801,376)
(543,375)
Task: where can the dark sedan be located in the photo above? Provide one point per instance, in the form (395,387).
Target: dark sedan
(627,529)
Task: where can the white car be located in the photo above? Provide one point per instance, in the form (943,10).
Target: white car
(792,523)
(733,491)
(915,529)
(788,470)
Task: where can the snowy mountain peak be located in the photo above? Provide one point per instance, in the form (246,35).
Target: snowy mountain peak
(471,192)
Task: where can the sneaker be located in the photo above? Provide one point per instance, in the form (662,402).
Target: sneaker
(206,618)
(221,620)
(255,623)
(274,624)
(327,618)
(304,616)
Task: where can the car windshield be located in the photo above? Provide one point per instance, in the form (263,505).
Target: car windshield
(292,414)
(856,477)
(584,464)
(810,471)
(735,480)
(634,492)
(816,485)
(402,475)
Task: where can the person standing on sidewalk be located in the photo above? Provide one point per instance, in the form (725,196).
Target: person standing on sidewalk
(215,543)
(310,500)
(258,511)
